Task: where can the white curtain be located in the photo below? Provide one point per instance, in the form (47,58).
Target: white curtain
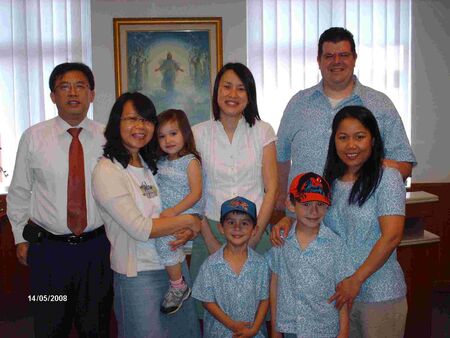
(35,36)
(282,37)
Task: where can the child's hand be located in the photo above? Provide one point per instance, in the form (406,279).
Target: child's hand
(245,332)
(169,212)
(239,326)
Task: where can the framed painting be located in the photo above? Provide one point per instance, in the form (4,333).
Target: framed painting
(174,61)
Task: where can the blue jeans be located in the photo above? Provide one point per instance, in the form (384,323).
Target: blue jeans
(136,306)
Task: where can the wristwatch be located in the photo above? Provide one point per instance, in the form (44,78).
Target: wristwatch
(199,216)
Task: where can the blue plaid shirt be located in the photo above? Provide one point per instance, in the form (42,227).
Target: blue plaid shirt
(237,295)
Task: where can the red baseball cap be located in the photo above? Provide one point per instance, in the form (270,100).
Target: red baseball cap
(308,187)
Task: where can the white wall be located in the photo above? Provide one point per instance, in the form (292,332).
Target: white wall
(430,65)
(233,14)
(430,90)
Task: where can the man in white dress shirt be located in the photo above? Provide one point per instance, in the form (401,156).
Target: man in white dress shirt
(69,269)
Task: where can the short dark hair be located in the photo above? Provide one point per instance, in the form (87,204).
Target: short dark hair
(183,123)
(370,173)
(63,68)
(335,35)
(251,113)
(114,148)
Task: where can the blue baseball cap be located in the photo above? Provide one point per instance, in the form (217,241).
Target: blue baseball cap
(239,204)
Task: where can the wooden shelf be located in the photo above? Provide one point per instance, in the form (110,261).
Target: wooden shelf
(414,197)
(425,238)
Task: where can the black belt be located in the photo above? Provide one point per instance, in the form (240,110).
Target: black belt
(72,238)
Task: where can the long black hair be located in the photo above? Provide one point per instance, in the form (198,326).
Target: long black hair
(114,148)
(371,171)
(244,74)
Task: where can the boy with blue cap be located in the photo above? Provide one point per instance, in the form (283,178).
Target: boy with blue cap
(307,268)
(233,283)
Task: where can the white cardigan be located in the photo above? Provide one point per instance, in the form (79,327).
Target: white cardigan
(125,225)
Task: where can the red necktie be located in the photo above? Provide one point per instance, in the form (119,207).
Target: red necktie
(76,193)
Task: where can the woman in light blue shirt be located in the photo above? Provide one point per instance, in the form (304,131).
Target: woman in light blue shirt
(368,208)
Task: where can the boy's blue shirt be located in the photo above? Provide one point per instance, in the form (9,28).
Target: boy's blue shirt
(237,295)
(306,279)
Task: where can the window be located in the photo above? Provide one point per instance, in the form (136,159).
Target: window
(282,37)
(35,36)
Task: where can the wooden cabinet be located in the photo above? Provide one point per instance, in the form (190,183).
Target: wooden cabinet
(419,264)
(14,278)
(418,255)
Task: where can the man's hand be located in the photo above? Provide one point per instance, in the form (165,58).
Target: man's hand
(405,168)
(182,236)
(22,252)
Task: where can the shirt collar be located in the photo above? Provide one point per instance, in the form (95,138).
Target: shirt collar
(324,234)
(357,89)
(217,257)
(62,126)
(241,124)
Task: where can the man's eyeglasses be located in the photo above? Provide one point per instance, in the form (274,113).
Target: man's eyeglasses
(67,87)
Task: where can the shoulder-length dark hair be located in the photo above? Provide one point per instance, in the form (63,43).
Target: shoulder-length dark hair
(251,113)
(370,173)
(114,148)
(179,116)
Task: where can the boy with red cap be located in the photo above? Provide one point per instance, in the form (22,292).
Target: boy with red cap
(307,268)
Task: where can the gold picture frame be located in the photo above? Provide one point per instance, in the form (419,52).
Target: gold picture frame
(174,61)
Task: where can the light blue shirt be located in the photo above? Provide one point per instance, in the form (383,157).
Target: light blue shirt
(360,229)
(305,127)
(173,185)
(306,279)
(173,182)
(237,295)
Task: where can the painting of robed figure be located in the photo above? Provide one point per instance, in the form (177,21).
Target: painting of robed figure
(174,63)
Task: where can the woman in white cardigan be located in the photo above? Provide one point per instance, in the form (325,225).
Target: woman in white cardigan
(129,202)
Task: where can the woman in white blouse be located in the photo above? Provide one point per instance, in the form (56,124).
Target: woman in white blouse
(129,203)
(238,159)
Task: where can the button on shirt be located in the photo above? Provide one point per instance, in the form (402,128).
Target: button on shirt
(305,127)
(38,189)
(237,295)
(360,229)
(232,169)
(306,279)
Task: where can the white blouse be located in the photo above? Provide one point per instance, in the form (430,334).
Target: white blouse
(232,169)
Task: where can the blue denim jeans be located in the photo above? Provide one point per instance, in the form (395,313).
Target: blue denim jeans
(136,306)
